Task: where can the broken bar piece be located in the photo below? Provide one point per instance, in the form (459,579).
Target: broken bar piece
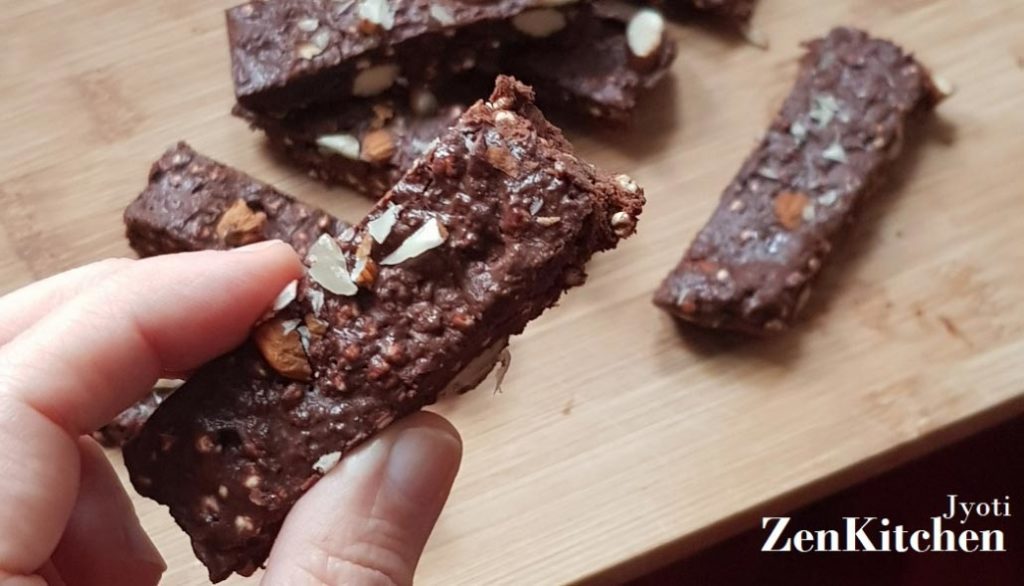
(194,203)
(751,266)
(289,54)
(485,232)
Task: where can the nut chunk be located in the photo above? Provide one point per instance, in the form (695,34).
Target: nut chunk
(750,267)
(194,203)
(463,252)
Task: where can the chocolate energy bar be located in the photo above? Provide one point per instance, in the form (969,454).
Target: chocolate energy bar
(194,203)
(750,268)
(600,71)
(288,54)
(486,231)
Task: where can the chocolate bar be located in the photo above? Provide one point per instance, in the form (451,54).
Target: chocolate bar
(751,267)
(485,232)
(289,54)
(368,145)
(194,203)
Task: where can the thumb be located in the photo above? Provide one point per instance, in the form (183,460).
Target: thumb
(366,521)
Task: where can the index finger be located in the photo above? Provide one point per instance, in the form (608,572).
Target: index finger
(79,366)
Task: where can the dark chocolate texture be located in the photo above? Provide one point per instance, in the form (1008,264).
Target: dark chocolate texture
(738,11)
(194,203)
(486,231)
(750,268)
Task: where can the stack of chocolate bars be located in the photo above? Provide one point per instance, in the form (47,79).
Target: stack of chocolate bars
(354,92)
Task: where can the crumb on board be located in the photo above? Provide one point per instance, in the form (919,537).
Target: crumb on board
(567,410)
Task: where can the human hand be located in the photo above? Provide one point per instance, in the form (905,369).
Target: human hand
(79,347)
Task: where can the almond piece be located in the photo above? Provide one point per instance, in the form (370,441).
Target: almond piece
(644,36)
(427,237)
(308,51)
(539,22)
(281,347)
(328,267)
(626,182)
(623,224)
(308,25)
(317,44)
(316,326)
(365,271)
(376,14)
(378,146)
(325,463)
(380,227)
(240,225)
(423,102)
(345,145)
(789,209)
(441,15)
(943,85)
(374,80)
(502,159)
(286,296)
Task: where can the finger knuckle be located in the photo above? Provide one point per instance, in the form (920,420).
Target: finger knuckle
(363,562)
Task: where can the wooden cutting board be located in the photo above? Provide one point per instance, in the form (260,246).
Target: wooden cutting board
(618,440)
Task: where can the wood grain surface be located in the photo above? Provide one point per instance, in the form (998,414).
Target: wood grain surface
(618,440)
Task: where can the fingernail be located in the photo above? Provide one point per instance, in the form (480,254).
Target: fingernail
(139,549)
(257,246)
(423,463)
